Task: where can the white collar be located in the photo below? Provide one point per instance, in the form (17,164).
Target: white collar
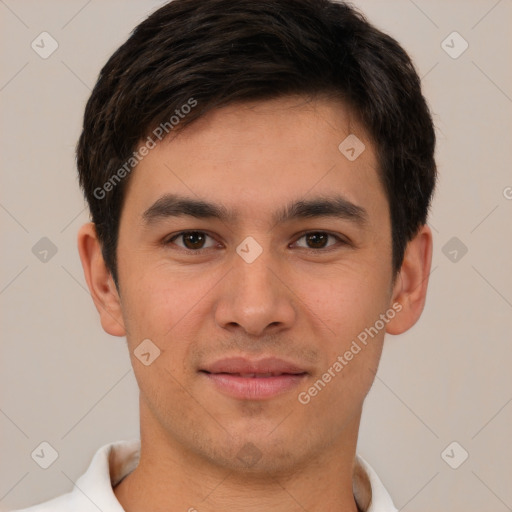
(113,461)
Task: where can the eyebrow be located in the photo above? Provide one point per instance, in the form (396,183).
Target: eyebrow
(173,205)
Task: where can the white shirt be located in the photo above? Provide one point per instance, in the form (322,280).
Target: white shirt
(93,491)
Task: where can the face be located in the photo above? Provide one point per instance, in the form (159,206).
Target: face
(281,273)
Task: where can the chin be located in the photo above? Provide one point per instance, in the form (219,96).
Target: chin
(256,453)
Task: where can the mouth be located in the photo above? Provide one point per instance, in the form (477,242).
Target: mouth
(253,380)
(254,375)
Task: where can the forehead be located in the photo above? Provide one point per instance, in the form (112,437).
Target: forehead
(252,156)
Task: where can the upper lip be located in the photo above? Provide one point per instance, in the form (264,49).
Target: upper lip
(241,365)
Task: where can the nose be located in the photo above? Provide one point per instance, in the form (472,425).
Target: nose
(256,297)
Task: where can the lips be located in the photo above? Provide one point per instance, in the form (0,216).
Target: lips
(268,367)
(244,379)
(258,375)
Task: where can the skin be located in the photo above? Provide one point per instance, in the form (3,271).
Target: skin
(291,302)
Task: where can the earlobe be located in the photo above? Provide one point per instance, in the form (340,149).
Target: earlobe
(99,280)
(411,285)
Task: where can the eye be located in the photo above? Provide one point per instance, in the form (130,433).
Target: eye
(192,240)
(317,240)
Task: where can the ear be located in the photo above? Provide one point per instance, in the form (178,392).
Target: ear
(410,288)
(100,282)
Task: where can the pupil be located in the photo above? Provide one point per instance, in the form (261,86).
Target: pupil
(317,237)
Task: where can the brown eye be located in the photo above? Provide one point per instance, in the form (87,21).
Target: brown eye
(191,240)
(318,240)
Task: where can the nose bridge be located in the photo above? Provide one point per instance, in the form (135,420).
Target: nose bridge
(256,276)
(254,296)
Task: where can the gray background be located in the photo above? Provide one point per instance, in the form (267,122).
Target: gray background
(66,382)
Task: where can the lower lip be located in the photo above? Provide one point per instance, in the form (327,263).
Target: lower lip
(254,388)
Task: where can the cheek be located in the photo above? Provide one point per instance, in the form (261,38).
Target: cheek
(154,303)
(169,309)
(346,315)
(345,301)
(347,374)
(161,312)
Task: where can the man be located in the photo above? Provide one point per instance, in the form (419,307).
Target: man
(259,176)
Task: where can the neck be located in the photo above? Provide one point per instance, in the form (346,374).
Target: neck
(171,478)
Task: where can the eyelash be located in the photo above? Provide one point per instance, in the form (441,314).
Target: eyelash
(341,241)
